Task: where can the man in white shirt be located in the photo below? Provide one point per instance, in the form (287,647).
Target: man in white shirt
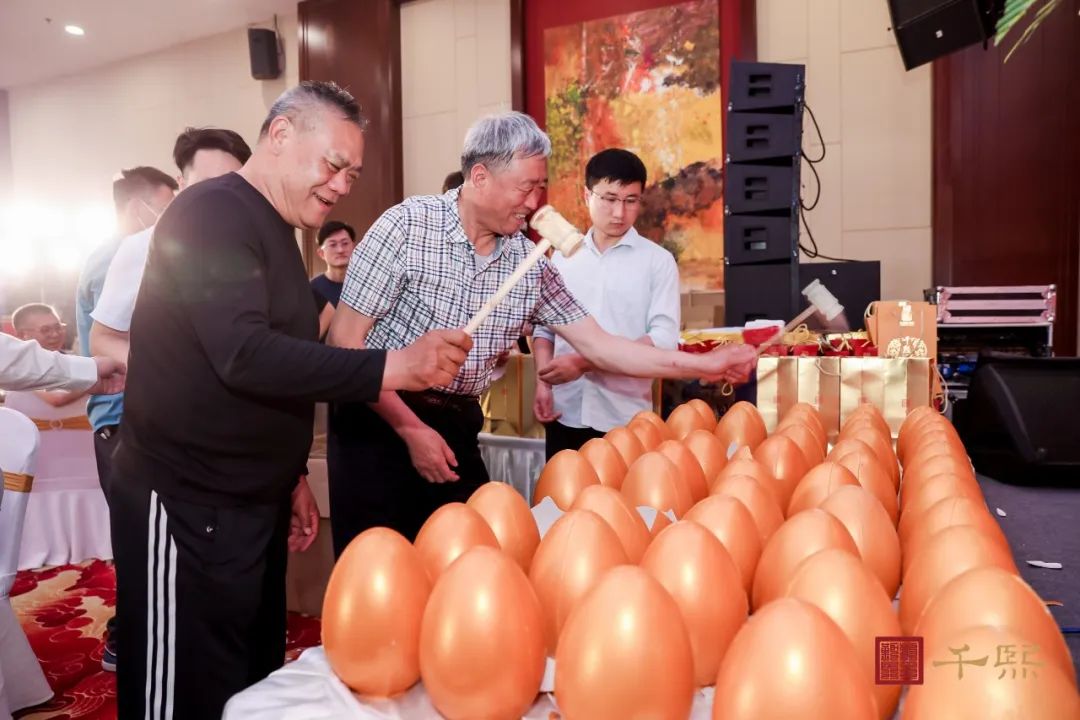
(630,285)
(199,154)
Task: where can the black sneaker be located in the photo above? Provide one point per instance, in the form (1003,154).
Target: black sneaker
(108,659)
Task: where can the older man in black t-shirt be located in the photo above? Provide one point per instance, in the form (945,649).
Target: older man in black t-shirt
(225,369)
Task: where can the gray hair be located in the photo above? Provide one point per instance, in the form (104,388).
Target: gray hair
(495,140)
(296,101)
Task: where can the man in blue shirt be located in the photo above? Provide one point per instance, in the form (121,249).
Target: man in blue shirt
(140,195)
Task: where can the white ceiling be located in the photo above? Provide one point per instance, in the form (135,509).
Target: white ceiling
(32,50)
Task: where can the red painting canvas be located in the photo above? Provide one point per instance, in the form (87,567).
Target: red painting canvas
(649,82)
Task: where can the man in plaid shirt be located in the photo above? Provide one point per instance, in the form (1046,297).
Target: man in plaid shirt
(432,262)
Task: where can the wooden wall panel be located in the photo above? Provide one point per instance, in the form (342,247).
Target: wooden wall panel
(358,45)
(1006,159)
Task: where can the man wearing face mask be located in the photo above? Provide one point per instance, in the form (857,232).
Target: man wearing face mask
(224,374)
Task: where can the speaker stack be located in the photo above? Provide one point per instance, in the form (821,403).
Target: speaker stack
(761,192)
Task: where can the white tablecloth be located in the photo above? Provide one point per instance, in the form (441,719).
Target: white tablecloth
(308,690)
(513,460)
(67,519)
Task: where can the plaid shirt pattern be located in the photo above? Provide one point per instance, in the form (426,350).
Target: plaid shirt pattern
(416,271)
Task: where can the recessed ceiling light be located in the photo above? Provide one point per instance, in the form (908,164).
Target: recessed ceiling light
(74,30)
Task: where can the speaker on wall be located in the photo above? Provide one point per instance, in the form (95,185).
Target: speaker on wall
(263,49)
(929,29)
(1017,419)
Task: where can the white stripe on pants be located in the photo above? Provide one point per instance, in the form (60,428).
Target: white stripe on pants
(161,613)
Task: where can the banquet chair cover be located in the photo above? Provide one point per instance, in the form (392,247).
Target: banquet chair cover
(22,683)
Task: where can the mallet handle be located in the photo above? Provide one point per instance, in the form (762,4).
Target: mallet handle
(799,320)
(519,272)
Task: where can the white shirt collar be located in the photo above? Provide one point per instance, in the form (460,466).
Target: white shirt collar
(631,239)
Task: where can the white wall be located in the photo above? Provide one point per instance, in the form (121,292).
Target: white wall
(70,136)
(455,68)
(876,121)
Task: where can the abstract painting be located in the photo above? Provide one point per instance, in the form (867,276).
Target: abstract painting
(649,82)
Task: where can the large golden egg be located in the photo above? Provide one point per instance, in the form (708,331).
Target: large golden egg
(565,475)
(791,661)
(448,533)
(482,622)
(627,443)
(689,468)
(625,653)
(946,555)
(705,410)
(508,516)
(818,484)
(625,520)
(654,481)
(813,451)
(371,613)
(709,452)
(798,538)
(703,580)
(872,531)
(872,477)
(992,596)
(685,419)
(1004,683)
(944,514)
(733,525)
(575,553)
(759,502)
(606,461)
(752,468)
(844,589)
(784,461)
(650,429)
(741,425)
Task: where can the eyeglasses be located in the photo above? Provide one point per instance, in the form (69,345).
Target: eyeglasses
(56,329)
(610,201)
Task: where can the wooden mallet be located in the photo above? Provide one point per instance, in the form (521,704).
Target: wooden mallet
(822,302)
(556,232)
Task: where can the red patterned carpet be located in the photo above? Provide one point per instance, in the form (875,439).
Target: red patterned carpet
(63,611)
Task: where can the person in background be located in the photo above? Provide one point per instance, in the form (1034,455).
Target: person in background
(225,372)
(432,262)
(199,154)
(630,285)
(25,365)
(140,195)
(337,240)
(452,181)
(40,323)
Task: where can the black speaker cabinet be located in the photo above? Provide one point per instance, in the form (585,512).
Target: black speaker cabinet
(263,48)
(752,137)
(767,87)
(929,29)
(1018,422)
(760,188)
(760,238)
(773,291)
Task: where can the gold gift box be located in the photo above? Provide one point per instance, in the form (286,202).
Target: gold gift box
(508,403)
(895,386)
(784,381)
